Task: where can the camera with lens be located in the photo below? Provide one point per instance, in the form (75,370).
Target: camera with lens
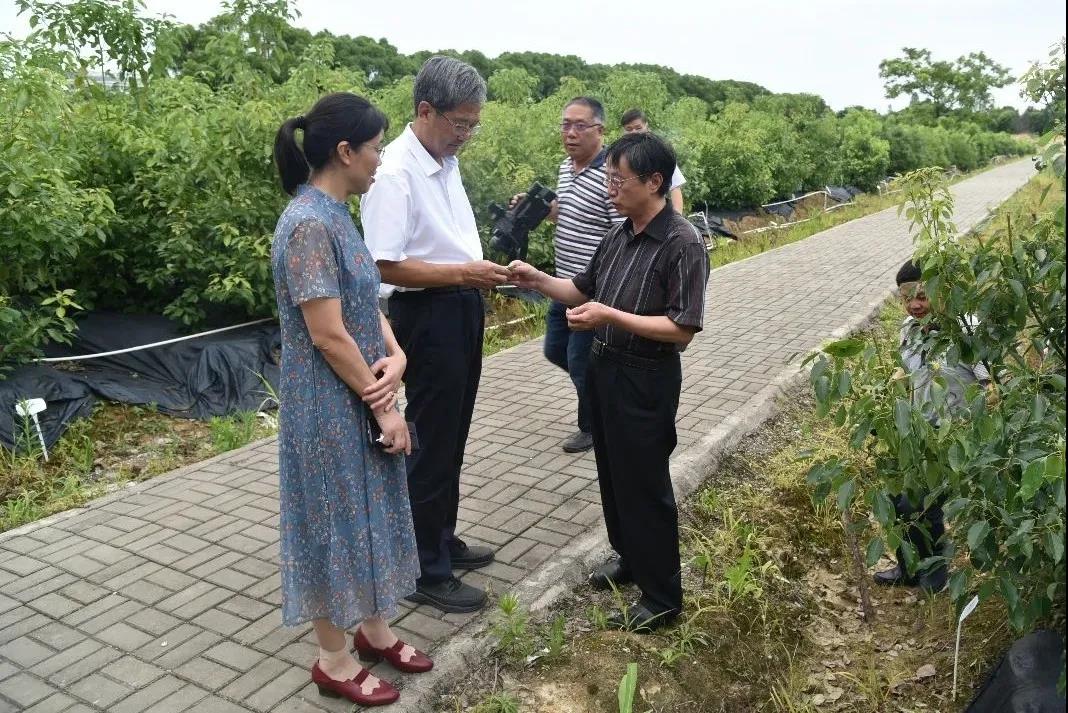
(511,227)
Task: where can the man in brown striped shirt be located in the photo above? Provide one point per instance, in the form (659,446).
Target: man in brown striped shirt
(643,296)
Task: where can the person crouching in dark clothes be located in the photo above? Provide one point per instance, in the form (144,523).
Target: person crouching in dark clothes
(925,527)
(643,296)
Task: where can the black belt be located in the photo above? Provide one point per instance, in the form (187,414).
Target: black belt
(433,291)
(626,358)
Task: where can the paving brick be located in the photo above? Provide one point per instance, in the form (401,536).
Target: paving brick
(57,636)
(19,622)
(167,642)
(123,637)
(53,704)
(209,674)
(54,605)
(234,656)
(178,655)
(245,607)
(25,652)
(25,690)
(132,671)
(220,621)
(255,679)
(146,697)
(231,579)
(171,579)
(153,621)
(70,664)
(99,691)
(214,704)
(185,698)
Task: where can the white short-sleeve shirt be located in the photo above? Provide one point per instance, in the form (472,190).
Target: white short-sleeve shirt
(677,179)
(418,209)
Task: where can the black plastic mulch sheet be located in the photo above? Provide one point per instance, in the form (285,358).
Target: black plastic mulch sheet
(1025,681)
(711,226)
(197,379)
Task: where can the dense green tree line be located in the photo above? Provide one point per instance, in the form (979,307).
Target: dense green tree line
(160,195)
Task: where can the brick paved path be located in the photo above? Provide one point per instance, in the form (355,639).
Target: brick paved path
(165,597)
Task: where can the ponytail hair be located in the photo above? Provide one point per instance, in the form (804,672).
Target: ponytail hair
(337,117)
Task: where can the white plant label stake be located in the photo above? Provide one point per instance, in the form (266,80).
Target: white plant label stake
(29,409)
(964,614)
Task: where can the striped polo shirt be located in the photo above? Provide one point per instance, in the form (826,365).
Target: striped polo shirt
(584,215)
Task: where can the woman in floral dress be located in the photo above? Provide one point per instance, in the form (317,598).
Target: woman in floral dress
(347,545)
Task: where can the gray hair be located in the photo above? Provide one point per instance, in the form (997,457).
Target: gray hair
(445,83)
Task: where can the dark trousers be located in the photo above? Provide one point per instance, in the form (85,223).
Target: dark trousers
(440,331)
(571,352)
(632,412)
(924,530)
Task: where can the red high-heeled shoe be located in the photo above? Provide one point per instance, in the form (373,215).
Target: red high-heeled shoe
(419,663)
(384,694)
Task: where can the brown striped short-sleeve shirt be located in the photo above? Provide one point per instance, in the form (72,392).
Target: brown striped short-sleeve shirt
(661,271)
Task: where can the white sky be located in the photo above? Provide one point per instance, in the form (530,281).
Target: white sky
(832,49)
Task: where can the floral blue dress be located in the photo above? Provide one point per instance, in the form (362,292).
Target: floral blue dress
(347,543)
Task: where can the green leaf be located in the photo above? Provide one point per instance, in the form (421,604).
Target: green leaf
(1032,479)
(958,584)
(844,382)
(977,534)
(883,508)
(956,456)
(955,507)
(875,550)
(903,417)
(627,685)
(845,494)
(1054,545)
(845,348)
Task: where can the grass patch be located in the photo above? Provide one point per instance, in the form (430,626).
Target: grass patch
(117,444)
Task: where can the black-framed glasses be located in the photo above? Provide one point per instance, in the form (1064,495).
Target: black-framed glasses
(460,127)
(616,182)
(579,126)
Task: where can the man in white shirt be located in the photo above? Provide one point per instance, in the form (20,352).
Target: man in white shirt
(635,120)
(420,229)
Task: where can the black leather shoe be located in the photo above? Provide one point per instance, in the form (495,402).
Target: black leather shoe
(612,572)
(452,596)
(640,620)
(578,442)
(896,576)
(468,557)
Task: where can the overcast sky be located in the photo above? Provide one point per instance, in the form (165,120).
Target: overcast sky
(827,48)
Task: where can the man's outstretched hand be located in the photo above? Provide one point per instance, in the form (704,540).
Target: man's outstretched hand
(524,275)
(484,274)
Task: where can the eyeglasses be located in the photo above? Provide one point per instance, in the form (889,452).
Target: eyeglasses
(615,182)
(460,127)
(579,126)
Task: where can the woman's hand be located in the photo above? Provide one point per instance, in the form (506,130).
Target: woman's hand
(394,431)
(388,371)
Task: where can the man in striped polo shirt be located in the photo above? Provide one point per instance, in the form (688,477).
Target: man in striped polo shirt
(583,215)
